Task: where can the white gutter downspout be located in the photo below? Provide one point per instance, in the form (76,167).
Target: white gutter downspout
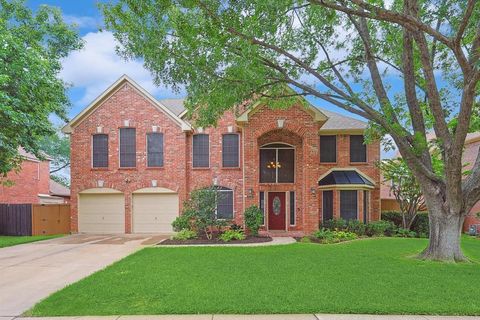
(243,172)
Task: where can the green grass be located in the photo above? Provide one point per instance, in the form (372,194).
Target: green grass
(376,276)
(8,241)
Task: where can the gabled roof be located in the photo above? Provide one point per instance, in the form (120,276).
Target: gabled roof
(335,122)
(112,89)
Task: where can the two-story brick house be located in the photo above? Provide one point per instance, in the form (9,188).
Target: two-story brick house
(134,160)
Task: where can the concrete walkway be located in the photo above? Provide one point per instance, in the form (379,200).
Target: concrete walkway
(31,272)
(260,317)
(276,241)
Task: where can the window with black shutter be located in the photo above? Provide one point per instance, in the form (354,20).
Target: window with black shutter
(201,151)
(358,150)
(155,149)
(100,151)
(230,144)
(127,148)
(327,205)
(348,204)
(328,148)
(292,208)
(224,203)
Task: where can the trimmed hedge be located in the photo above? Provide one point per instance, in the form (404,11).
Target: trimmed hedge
(420,225)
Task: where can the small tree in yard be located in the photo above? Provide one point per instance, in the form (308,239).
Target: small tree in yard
(408,66)
(201,208)
(253,219)
(404,187)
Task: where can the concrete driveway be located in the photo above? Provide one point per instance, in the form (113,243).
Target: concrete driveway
(31,272)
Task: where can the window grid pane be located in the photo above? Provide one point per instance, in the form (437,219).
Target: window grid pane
(348,204)
(328,148)
(358,150)
(292,208)
(127,148)
(327,205)
(262,205)
(201,150)
(287,169)
(100,151)
(230,150)
(267,156)
(155,149)
(225,204)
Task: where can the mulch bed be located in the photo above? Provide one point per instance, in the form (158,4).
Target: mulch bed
(168,242)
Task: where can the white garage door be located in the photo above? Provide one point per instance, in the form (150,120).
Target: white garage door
(154,212)
(101,213)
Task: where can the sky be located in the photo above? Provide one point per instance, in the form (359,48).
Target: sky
(94,68)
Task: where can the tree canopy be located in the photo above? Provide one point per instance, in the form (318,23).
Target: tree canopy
(408,66)
(32,45)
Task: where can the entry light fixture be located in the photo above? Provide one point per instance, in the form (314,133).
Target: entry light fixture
(313,190)
(250,193)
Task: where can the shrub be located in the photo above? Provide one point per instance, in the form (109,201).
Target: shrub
(201,208)
(230,235)
(332,236)
(420,224)
(253,219)
(185,234)
(405,233)
(356,227)
(380,228)
(182,223)
(335,224)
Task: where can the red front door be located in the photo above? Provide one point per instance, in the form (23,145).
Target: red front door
(276,210)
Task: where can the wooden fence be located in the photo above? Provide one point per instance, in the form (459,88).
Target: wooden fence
(34,219)
(16,219)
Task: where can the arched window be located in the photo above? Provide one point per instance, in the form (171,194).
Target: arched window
(277,163)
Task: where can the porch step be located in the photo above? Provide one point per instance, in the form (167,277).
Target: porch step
(280,233)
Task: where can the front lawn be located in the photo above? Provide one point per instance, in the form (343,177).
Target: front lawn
(365,276)
(8,241)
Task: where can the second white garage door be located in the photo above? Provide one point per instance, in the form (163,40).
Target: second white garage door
(154,212)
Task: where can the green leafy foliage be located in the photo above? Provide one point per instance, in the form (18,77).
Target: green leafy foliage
(32,46)
(185,234)
(253,219)
(57,147)
(182,222)
(333,236)
(201,210)
(420,224)
(229,235)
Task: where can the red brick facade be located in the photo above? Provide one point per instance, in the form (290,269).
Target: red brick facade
(31,180)
(127,106)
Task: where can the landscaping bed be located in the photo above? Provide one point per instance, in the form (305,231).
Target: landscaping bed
(248,239)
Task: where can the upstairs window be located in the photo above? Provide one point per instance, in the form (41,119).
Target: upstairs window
(155,149)
(127,148)
(277,163)
(358,150)
(328,149)
(230,144)
(100,151)
(201,151)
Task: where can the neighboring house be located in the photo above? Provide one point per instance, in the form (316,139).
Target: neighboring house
(472,145)
(59,190)
(134,161)
(31,183)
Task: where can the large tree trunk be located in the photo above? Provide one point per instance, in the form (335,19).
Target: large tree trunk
(445,235)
